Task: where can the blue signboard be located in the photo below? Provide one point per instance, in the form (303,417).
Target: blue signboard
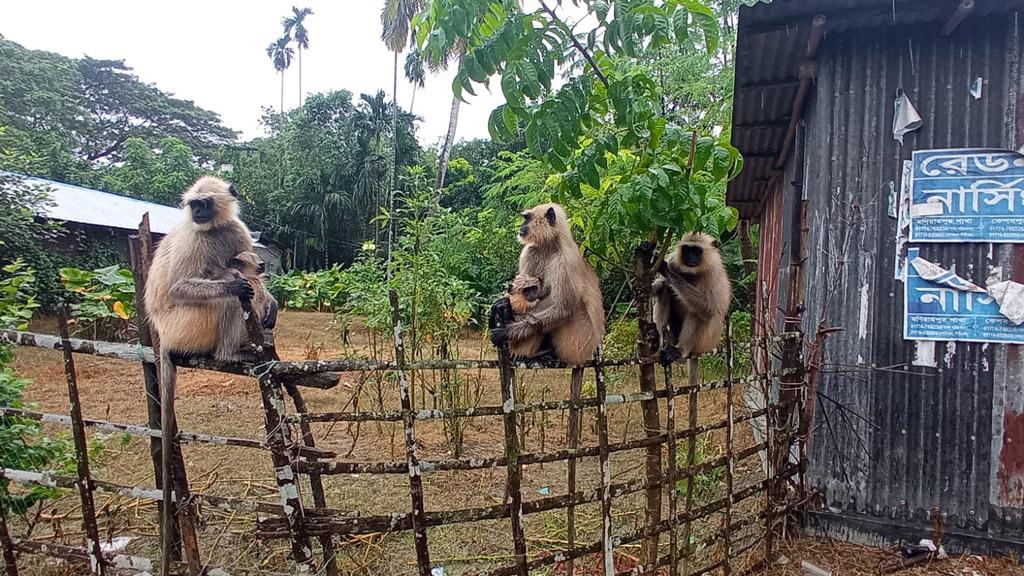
(950,308)
(967,195)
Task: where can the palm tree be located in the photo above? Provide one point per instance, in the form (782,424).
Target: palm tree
(301,35)
(280,54)
(414,73)
(395,17)
(456,50)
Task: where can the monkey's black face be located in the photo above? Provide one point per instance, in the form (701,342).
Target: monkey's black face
(261,268)
(531,293)
(691,255)
(202,210)
(524,230)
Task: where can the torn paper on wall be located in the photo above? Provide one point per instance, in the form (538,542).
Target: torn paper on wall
(941,305)
(1010,297)
(903,221)
(976,88)
(905,117)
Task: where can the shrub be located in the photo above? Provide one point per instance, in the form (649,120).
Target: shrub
(106,301)
(24,445)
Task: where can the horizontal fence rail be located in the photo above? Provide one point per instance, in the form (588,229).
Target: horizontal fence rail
(737,523)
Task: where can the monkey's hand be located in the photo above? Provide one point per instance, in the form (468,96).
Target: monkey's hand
(645,251)
(241,288)
(664,270)
(669,355)
(499,337)
(525,326)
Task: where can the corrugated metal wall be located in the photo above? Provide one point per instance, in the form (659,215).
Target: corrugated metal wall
(901,426)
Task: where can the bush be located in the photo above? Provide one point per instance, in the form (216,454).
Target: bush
(321,291)
(106,301)
(24,445)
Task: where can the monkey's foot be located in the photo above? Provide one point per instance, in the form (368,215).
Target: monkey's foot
(670,355)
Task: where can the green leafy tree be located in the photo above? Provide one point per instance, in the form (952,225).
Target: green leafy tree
(25,447)
(295,26)
(70,117)
(24,237)
(627,171)
(280,54)
(414,73)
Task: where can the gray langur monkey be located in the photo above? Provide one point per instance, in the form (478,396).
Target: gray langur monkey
(691,298)
(572,313)
(251,267)
(523,296)
(194,300)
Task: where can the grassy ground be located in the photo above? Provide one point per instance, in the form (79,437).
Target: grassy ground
(229,405)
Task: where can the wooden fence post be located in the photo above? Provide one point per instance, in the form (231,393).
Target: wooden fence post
(280,443)
(10,559)
(85,486)
(501,315)
(415,480)
(573,441)
(691,448)
(729,449)
(673,470)
(140,250)
(644,275)
(607,548)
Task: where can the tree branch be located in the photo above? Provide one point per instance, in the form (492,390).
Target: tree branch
(576,43)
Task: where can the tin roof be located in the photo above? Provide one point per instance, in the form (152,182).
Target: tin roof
(87,206)
(770,48)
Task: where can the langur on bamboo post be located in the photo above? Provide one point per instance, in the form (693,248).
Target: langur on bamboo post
(194,300)
(691,298)
(571,311)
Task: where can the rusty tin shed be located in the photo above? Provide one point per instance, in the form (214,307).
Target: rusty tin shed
(903,431)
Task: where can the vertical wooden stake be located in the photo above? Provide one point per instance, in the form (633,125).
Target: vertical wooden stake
(85,485)
(691,448)
(729,448)
(573,441)
(140,250)
(607,549)
(646,336)
(501,315)
(415,480)
(315,481)
(673,471)
(10,560)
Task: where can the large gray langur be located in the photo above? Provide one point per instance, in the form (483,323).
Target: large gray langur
(571,311)
(193,298)
(691,298)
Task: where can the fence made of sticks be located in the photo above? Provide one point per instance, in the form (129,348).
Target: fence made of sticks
(678,522)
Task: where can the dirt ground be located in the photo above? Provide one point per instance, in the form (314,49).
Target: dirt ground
(227,405)
(844,559)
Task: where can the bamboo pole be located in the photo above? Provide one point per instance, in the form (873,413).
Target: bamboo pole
(412,461)
(691,449)
(85,487)
(607,545)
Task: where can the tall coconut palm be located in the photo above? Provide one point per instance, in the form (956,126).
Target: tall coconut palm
(395,18)
(295,26)
(414,73)
(280,54)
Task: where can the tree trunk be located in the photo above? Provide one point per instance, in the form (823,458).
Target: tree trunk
(644,275)
(300,75)
(394,161)
(446,149)
(412,102)
(282,92)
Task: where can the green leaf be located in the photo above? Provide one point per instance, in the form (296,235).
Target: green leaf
(496,125)
(601,9)
(510,89)
(705,19)
(590,175)
(705,147)
(681,25)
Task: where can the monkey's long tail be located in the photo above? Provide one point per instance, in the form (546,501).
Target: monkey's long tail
(168,381)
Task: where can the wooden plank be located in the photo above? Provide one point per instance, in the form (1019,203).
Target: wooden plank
(501,315)
(673,490)
(691,448)
(411,459)
(573,441)
(607,544)
(92,532)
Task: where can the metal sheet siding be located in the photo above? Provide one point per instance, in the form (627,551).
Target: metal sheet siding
(902,427)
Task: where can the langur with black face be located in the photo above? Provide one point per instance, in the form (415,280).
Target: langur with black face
(572,312)
(523,296)
(691,298)
(251,267)
(194,300)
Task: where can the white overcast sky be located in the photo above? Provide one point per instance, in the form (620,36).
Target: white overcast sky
(213,52)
